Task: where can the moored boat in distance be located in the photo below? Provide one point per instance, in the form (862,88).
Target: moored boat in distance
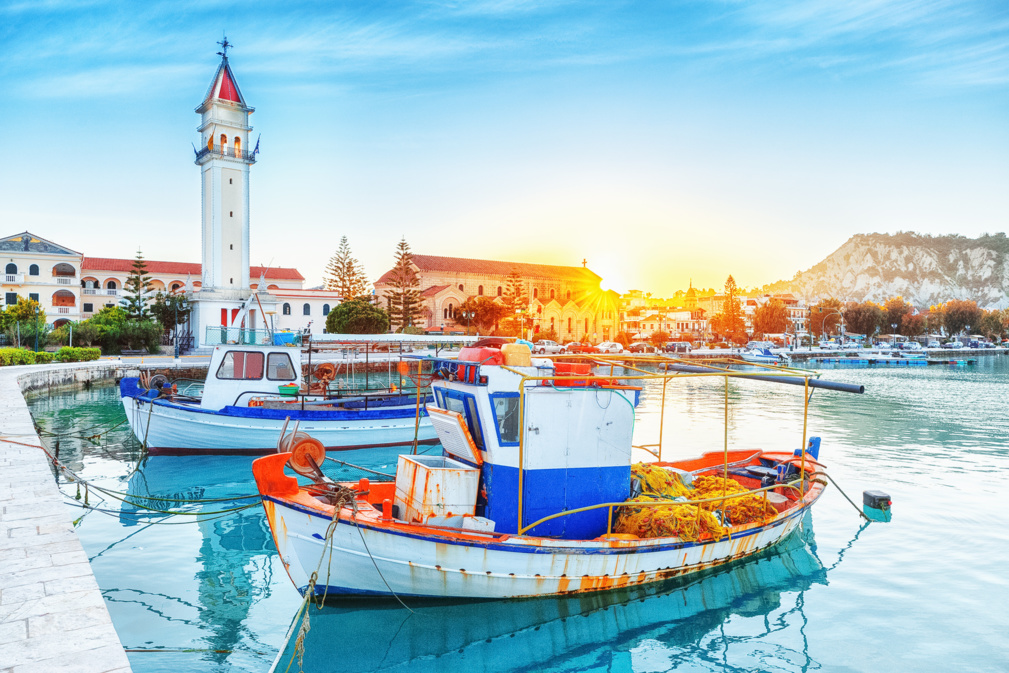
(535,493)
(251,393)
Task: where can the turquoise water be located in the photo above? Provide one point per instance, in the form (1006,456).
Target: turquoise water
(925,592)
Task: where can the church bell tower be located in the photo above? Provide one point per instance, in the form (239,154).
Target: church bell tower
(225,299)
(224,160)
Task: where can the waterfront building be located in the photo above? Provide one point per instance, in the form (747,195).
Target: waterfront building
(49,273)
(569,300)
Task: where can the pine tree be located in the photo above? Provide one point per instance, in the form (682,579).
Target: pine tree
(516,301)
(137,287)
(344,274)
(404,297)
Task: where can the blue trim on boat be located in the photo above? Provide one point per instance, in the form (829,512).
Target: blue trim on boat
(128,387)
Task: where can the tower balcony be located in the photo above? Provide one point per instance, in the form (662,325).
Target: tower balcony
(208,153)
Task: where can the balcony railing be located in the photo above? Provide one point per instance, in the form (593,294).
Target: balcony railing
(66,309)
(14,278)
(227,152)
(65,280)
(112,292)
(90,290)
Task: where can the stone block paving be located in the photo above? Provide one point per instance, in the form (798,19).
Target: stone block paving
(53,618)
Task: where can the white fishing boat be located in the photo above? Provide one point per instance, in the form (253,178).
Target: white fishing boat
(764,356)
(251,393)
(533,495)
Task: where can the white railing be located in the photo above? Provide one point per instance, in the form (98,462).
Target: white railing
(65,280)
(63,309)
(112,292)
(14,278)
(90,290)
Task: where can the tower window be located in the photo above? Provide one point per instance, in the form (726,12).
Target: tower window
(231,246)
(231,281)
(231,213)
(287,309)
(229,181)
(238,145)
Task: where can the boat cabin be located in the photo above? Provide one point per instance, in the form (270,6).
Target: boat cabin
(537,444)
(237,372)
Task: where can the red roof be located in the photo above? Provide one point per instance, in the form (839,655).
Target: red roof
(489,267)
(223,87)
(433,290)
(93,264)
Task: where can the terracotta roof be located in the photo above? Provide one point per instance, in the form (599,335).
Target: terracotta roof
(489,267)
(317,294)
(180,268)
(433,290)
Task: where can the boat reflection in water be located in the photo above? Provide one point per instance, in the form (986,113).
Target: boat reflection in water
(649,627)
(234,556)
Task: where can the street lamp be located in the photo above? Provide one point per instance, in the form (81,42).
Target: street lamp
(520,312)
(828,312)
(469,315)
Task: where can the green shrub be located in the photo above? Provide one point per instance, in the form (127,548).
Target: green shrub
(43,358)
(68,354)
(16,356)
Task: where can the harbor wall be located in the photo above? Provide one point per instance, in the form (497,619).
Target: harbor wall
(53,617)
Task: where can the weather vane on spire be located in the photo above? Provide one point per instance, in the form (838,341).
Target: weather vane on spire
(225,45)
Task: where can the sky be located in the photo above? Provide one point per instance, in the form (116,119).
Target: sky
(663,143)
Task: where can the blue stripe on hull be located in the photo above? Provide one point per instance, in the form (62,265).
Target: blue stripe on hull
(555,490)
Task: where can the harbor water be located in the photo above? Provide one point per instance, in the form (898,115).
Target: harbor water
(924,592)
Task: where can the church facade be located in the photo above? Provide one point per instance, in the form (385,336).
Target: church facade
(567,300)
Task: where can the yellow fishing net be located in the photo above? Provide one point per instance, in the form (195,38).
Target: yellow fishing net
(686,521)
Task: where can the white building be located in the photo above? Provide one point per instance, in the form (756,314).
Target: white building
(35,268)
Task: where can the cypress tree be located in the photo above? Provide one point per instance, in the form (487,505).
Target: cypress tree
(137,287)
(344,273)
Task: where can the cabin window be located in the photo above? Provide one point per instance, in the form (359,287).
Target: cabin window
(464,404)
(241,366)
(506,412)
(279,367)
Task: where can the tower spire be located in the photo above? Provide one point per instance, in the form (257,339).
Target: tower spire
(225,45)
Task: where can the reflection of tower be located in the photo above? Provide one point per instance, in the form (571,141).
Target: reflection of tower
(226,587)
(225,159)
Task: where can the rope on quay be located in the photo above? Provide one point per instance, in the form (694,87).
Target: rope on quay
(127,497)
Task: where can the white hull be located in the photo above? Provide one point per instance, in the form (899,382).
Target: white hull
(170,429)
(419,564)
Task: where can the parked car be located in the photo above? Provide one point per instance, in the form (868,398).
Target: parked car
(579,347)
(952,344)
(677,347)
(910,346)
(933,343)
(610,347)
(544,346)
(643,347)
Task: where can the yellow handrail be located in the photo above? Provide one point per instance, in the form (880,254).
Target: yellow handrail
(658,503)
(781,371)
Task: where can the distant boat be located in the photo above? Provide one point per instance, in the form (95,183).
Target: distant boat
(250,394)
(764,356)
(528,497)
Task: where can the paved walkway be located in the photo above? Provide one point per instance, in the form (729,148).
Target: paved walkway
(53,618)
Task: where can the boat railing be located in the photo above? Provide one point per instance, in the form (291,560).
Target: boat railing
(801,488)
(673,368)
(220,336)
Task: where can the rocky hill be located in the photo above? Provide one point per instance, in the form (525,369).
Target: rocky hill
(925,270)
